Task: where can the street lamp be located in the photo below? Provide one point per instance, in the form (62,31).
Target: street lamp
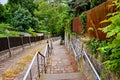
(46,28)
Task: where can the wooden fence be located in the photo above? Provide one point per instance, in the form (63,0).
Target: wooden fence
(10,42)
(94,17)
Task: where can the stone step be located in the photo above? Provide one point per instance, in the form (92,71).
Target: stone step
(63,76)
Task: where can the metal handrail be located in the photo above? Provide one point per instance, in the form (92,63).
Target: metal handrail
(44,56)
(91,65)
(75,54)
(94,70)
(45,50)
(30,66)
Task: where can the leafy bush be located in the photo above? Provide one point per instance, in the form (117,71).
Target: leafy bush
(23,20)
(103,50)
(31,31)
(7,30)
(113,33)
(2,11)
(92,45)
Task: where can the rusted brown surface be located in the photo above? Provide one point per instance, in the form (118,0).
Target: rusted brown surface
(95,16)
(77,25)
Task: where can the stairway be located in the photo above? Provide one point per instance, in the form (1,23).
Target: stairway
(63,76)
(61,65)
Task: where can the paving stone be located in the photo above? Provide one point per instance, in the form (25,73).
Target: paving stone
(63,76)
(60,64)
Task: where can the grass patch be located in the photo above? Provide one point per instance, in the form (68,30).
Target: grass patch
(19,67)
(42,77)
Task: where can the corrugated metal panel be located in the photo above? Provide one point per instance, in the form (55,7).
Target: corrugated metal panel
(77,25)
(95,16)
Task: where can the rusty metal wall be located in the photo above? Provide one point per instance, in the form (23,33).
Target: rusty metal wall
(95,16)
(77,25)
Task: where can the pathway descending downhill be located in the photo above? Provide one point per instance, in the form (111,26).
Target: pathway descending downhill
(62,65)
(11,62)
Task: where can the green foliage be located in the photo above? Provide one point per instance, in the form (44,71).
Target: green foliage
(30,14)
(31,31)
(52,17)
(78,6)
(15,10)
(96,2)
(7,30)
(23,20)
(2,9)
(105,52)
(27,4)
(68,27)
(91,29)
(43,10)
(93,44)
(83,20)
(113,33)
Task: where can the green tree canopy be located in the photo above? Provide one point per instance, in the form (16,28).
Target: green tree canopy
(23,20)
(56,16)
(27,4)
(2,16)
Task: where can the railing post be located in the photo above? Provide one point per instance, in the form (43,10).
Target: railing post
(41,64)
(30,75)
(48,48)
(44,65)
(38,65)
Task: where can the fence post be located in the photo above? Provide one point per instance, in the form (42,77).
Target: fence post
(22,43)
(47,52)
(29,40)
(35,39)
(10,54)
